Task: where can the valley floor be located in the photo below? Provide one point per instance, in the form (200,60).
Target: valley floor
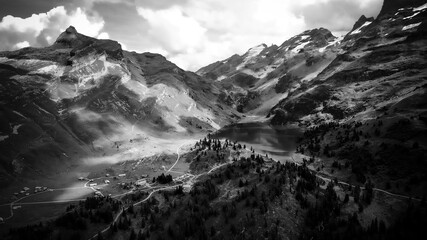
(74,184)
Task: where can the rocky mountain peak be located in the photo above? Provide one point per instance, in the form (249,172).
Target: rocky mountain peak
(362,20)
(71,30)
(71,38)
(317,32)
(82,44)
(318,37)
(321,34)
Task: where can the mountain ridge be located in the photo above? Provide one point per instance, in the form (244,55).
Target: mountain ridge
(371,82)
(254,76)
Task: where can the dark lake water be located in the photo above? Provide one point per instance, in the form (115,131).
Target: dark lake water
(277,142)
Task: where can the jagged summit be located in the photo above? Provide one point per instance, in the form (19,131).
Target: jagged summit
(317,32)
(321,35)
(70,37)
(317,37)
(71,30)
(362,20)
(82,44)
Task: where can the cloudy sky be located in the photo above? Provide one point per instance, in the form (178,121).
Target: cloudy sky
(190,33)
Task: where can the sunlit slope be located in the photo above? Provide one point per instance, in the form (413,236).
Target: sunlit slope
(83,95)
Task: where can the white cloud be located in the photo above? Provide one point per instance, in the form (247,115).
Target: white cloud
(85,24)
(22,45)
(201,32)
(173,31)
(42,29)
(336,15)
(33,23)
(190,33)
(103,35)
(124,47)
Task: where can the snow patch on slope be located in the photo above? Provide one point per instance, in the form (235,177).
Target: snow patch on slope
(333,43)
(251,55)
(413,15)
(220,78)
(410,26)
(15,129)
(422,7)
(358,30)
(299,47)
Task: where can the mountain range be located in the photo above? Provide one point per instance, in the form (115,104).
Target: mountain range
(85,118)
(83,95)
(361,97)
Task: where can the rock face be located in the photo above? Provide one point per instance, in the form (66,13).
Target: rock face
(69,37)
(362,20)
(64,101)
(374,58)
(391,6)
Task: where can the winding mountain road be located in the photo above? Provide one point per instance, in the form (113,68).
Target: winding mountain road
(177,158)
(328,179)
